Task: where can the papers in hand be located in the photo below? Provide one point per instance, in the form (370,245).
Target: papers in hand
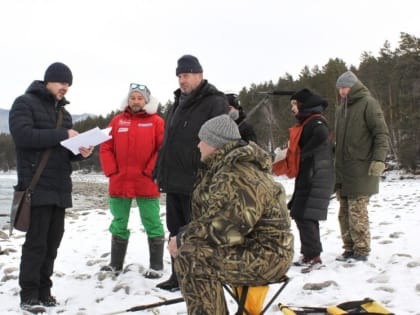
(86,139)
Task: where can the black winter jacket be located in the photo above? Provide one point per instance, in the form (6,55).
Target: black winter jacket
(179,156)
(315,181)
(245,129)
(32,121)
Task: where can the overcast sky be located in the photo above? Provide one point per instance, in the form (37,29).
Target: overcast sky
(108,44)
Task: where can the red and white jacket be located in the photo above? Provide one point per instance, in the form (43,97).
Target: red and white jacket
(128,159)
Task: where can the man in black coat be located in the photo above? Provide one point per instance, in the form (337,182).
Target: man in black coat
(33,121)
(196,101)
(237,113)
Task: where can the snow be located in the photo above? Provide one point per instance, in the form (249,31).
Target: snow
(391,276)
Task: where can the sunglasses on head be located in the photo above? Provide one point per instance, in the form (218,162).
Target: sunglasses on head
(141,87)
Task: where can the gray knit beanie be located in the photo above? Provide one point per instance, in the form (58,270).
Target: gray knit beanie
(219,131)
(142,89)
(346,80)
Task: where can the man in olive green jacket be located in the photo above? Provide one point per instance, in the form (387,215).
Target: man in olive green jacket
(240,228)
(361,148)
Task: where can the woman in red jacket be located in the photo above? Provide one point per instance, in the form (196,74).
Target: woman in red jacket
(128,160)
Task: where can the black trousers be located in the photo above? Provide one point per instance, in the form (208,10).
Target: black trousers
(178,212)
(39,252)
(310,240)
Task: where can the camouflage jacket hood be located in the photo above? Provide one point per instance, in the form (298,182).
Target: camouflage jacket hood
(239,152)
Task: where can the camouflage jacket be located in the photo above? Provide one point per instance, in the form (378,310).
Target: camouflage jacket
(236,203)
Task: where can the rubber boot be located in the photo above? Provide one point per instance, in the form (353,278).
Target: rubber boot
(118,251)
(156,258)
(172,283)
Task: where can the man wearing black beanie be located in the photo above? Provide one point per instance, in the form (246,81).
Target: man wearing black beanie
(58,72)
(196,101)
(34,128)
(237,113)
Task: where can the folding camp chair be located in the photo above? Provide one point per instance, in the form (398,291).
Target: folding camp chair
(240,299)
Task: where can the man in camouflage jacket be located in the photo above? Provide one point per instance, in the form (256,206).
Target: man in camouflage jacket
(240,229)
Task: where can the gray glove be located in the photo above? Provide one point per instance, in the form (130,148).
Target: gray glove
(337,189)
(376,168)
(337,195)
(280,154)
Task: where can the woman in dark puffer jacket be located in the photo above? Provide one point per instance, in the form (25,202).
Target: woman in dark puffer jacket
(315,180)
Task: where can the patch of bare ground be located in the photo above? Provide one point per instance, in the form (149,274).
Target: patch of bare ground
(94,195)
(87,196)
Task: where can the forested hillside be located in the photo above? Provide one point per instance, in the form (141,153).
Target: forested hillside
(392,76)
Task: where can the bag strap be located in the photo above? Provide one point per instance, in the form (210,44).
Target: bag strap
(45,157)
(309,118)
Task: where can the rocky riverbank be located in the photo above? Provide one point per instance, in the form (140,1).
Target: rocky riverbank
(89,195)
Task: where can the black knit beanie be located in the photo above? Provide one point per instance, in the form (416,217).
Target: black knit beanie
(307,99)
(233,100)
(302,95)
(188,64)
(58,72)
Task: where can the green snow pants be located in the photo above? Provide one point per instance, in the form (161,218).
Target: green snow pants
(149,215)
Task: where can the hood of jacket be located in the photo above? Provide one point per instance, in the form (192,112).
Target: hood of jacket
(239,152)
(357,91)
(203,90)
(39,89)
(150,108)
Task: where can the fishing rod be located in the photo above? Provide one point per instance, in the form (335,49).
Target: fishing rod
(148,306)
(265,100)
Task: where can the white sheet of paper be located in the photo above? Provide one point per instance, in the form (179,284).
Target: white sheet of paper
(86,139)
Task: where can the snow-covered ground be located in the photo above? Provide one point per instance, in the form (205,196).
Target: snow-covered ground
(391,276)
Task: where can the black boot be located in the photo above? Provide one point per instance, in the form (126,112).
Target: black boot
(118,251)
(156,258)
(172,283)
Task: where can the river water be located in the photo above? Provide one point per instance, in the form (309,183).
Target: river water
(7,181)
